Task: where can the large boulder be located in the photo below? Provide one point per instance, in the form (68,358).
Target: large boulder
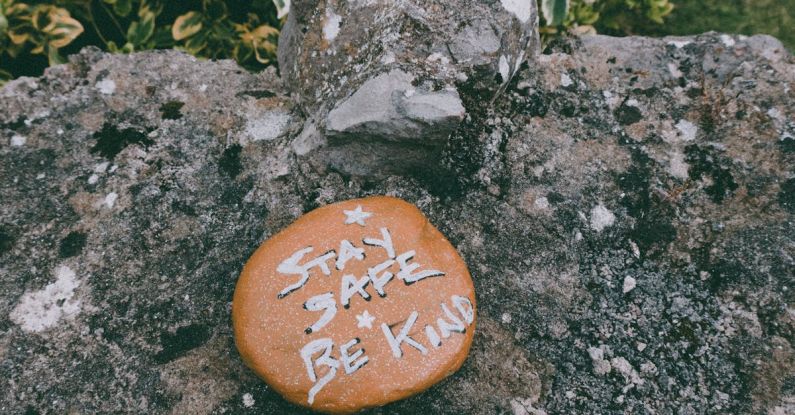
(626,209)
(384,82)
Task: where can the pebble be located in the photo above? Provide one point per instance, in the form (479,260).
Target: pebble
(354,305)
(18,141)
(248,400)
(601,218)
(629,284)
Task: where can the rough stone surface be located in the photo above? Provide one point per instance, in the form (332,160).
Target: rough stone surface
(669,161)
(387,107)
(370,74)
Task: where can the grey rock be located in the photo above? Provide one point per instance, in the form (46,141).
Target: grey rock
(353,65)
(125,219)
(388,126)
(389,107)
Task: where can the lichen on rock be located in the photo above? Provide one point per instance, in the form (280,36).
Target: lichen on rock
(628,226)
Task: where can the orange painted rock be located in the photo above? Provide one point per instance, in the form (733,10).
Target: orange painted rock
(355,305)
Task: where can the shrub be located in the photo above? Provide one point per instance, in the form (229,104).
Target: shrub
(33,36)
(616,17)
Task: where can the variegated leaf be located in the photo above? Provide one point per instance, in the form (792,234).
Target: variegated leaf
(186,25)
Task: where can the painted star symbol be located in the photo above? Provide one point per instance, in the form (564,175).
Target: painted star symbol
(365,320)
(356,216)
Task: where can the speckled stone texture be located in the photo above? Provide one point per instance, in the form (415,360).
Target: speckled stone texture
(626,208)
(329,48)
(380,77)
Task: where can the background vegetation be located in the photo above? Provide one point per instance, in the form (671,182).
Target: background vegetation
(36,34)
(748,17)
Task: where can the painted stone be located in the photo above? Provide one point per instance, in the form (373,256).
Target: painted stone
(354,305)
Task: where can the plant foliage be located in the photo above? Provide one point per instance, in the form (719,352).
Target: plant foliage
(616,17)
(33,36)
(41,29)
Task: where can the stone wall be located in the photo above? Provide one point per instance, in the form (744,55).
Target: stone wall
(626,207)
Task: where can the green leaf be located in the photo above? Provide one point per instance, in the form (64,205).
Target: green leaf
(53,57)
(215,10)
(186,25)
(135,34)
(658,10)
(3,23)
(242,52)
(195,44)
(5,76)
(20,34)
(128,48)
(162,38)
(122,7)
(263,41)
(554,11)
(139,32)
(62,28)
(39,18)
(13,50)
(224,30)
(18,10)
(282,8)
